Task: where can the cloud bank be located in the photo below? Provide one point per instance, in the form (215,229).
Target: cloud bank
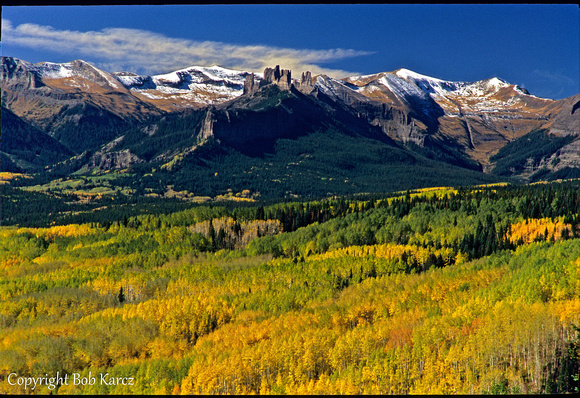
(141,51)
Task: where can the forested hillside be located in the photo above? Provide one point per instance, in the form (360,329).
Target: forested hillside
(450,290)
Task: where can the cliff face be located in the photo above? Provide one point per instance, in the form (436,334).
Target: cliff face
(565,128)
(253,122)
(112,160)
(567,120)
(16,75)
(396,123)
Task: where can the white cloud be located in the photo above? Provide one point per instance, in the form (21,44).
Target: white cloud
(141,51)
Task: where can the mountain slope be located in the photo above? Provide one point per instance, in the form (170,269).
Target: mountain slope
(24,147)
(549,153)
(478,117)
(411,119)
(81,106)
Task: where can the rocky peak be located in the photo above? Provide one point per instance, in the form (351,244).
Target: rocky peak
(305,85)
(306,78)
(15,72)
(281,77)
(250,84)
(87,71)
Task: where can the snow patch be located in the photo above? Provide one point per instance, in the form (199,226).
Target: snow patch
(51,70)
(406,91)
(132,80)
(205,85)
(409,74)
(329,86)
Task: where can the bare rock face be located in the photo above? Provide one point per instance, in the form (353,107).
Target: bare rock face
(113,160)
(15,74)
(250,85)
(305,85)
(306,79)
(567,120)
(568,156)
(280,77)
(206,130)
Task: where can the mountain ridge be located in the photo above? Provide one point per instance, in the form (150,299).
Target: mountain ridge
(113,121)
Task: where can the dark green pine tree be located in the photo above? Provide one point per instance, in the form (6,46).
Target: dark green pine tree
(260,213)
(220,239)
(121,296)
(212,235)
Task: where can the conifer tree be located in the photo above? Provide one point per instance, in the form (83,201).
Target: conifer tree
(121,296)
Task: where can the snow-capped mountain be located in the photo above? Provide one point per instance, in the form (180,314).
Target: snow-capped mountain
(194,86)
(75,74)
(481,116)
(456,98)
(462,123)
(26,85)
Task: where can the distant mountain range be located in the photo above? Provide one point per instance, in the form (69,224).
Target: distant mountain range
(210,129)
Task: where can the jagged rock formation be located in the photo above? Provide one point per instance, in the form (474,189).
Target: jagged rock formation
(250,85)
(206,130)
(280,77)
(306,83)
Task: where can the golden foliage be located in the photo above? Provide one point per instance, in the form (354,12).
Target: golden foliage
(533,229)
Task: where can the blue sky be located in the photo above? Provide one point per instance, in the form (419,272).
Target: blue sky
(534,46)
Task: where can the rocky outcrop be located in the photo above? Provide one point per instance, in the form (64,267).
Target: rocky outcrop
(16,75)
(280,77)
(206,130)
(250,85)
(112,160)
(306,79)
(306,84)
(567,120)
